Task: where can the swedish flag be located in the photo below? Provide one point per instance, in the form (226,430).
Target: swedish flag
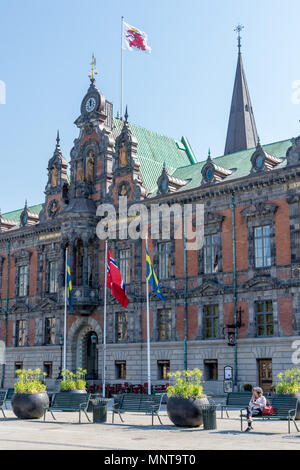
(69,285)
(151,276)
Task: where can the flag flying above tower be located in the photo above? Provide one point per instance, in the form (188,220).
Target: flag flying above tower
(152,278)
(115,281)
(134,39)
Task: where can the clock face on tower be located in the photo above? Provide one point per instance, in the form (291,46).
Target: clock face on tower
(90,105)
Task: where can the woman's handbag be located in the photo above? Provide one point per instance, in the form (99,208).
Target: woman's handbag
(269,410)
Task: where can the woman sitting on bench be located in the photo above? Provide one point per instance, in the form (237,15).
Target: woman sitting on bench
(256,406)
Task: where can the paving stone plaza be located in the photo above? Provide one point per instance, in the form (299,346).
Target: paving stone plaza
(137,434)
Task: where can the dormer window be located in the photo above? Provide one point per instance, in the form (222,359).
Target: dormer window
(262,161)
(212,173)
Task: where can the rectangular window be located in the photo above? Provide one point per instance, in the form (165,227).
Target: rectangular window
(121,327)
(53,277)
(125,265)
(211,321)
(20,333)
(211,369)
(163,369)
(120,369)
(48,369)
(165,260)
(50,331)
(23,281)
(211,254)
(165,325)
(262,244)
(264,318)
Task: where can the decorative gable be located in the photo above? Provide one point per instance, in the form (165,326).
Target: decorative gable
(260,209)
(262,161)
(212,173)
(168,184)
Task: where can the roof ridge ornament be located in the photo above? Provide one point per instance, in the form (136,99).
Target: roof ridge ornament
(93,69)
(238,30)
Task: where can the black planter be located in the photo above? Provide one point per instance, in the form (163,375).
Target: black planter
(29,406)
(186,412)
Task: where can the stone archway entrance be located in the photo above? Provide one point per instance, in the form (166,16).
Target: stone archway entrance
(84,341)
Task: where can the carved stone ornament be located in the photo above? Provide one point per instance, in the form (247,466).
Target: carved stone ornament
(259,209)
(54,176)
(293,153)
(53,208)
(90,166)
(123,155)
(124,188)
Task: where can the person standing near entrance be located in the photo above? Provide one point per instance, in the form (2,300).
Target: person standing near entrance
(256,406)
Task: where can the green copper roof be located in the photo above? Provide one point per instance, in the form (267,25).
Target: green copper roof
(239,163)
(158,147)
(15,215)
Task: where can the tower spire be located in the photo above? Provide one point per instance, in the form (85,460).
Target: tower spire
(241,133)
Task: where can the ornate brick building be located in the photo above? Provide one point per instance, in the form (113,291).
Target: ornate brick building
(250,259)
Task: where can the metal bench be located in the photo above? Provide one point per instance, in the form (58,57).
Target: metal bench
(136,403)
(3,395)
(236,400)
(69,402)
(284,407)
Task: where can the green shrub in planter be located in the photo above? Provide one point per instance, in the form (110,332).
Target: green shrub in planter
(72,381)
(187,384)
(30,397)
(186,399)
(289,381)
(29,381)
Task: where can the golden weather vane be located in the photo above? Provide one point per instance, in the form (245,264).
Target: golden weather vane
(93,69)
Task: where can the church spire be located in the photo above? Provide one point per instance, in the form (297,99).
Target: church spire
(241,133)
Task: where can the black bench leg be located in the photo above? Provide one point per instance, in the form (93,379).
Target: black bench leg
(87,416)
(79,416)
(53,415)
(121,418)
(3,412)
(295,425)
(113,417)
(289,425)
(241,423)
(159,418)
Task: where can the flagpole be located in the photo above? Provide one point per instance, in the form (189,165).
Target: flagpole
(104,325)
(65,315)
(122,64)
(148,331)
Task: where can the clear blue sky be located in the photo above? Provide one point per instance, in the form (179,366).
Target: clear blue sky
(183,88)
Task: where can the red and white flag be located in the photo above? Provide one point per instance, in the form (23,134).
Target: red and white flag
(134,39)
(115,281)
